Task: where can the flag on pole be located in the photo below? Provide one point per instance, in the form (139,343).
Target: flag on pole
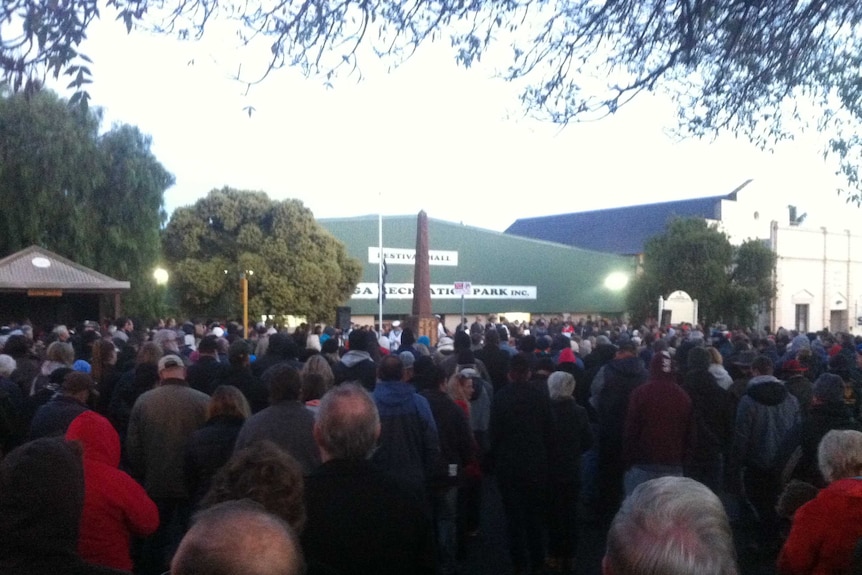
(383,280)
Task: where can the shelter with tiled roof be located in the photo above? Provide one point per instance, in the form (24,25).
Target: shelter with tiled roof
(46,288)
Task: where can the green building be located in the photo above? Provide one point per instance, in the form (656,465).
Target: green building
(507,274)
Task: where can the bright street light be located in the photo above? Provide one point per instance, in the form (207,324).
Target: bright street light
(161,276)
(616,281)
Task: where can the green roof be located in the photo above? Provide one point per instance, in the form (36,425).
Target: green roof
(508,273)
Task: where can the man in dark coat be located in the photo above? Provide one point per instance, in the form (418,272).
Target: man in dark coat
(360,519)
(520,438)
(202,374)
(286,422)
(53,418)
(620,377)
(238,374)
(356,365)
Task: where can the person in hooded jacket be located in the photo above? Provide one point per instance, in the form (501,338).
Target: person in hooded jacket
(41,501)
(621,376)
(714,411)
(767,421)
(357,364)
(281,348)
(116,507)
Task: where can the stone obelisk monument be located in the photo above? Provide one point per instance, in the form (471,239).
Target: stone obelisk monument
(422,320)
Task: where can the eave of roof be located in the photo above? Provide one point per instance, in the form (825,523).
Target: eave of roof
(622,230)
(18,272)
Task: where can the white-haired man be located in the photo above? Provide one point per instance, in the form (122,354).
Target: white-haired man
(670,525)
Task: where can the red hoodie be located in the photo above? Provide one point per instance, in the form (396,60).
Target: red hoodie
(115,505)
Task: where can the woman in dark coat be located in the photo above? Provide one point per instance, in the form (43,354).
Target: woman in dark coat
(211,446)
(714,412)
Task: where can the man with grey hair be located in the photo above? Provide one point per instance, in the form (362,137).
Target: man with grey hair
(238,537)
(670,525)
(360,519)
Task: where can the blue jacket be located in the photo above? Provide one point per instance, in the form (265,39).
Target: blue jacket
(409,446)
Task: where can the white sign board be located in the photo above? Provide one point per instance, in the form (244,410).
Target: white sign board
(463,288)
(368,290)
(404,257)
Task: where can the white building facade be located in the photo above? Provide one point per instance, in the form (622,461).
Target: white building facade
(818,278)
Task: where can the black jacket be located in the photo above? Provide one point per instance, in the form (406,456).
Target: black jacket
(208,450)
(361,520)
(41,501)
(571,436)
(456,439)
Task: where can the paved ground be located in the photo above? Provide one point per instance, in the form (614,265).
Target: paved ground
(488,555)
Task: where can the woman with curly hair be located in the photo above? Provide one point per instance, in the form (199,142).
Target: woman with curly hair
(266,474)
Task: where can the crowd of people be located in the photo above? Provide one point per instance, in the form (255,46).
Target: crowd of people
(192,448)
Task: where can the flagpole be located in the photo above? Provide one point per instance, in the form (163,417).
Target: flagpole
(380,286)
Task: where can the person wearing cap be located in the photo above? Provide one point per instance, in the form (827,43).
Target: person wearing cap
(161,422)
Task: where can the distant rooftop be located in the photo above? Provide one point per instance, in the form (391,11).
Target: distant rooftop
(623,230)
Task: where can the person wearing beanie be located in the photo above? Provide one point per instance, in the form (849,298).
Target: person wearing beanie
(827,412)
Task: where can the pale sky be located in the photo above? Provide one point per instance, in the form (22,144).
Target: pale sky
(429,135)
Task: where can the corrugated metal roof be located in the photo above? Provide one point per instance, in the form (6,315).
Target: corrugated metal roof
(622,230)
(38,268)
(566,279)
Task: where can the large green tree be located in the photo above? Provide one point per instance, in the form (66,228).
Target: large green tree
(293,265)
(94,198)
(730,283)
(764,69)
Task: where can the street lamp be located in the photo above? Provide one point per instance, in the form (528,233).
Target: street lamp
(161,276)
(243,281)
(616,281)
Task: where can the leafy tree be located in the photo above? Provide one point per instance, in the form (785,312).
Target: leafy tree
(754,68)
(130,214)
(95,199)
(697,258)
(752,282)
(298,267)
(48,173)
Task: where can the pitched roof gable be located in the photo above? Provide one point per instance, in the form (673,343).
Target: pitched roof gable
(37,268)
